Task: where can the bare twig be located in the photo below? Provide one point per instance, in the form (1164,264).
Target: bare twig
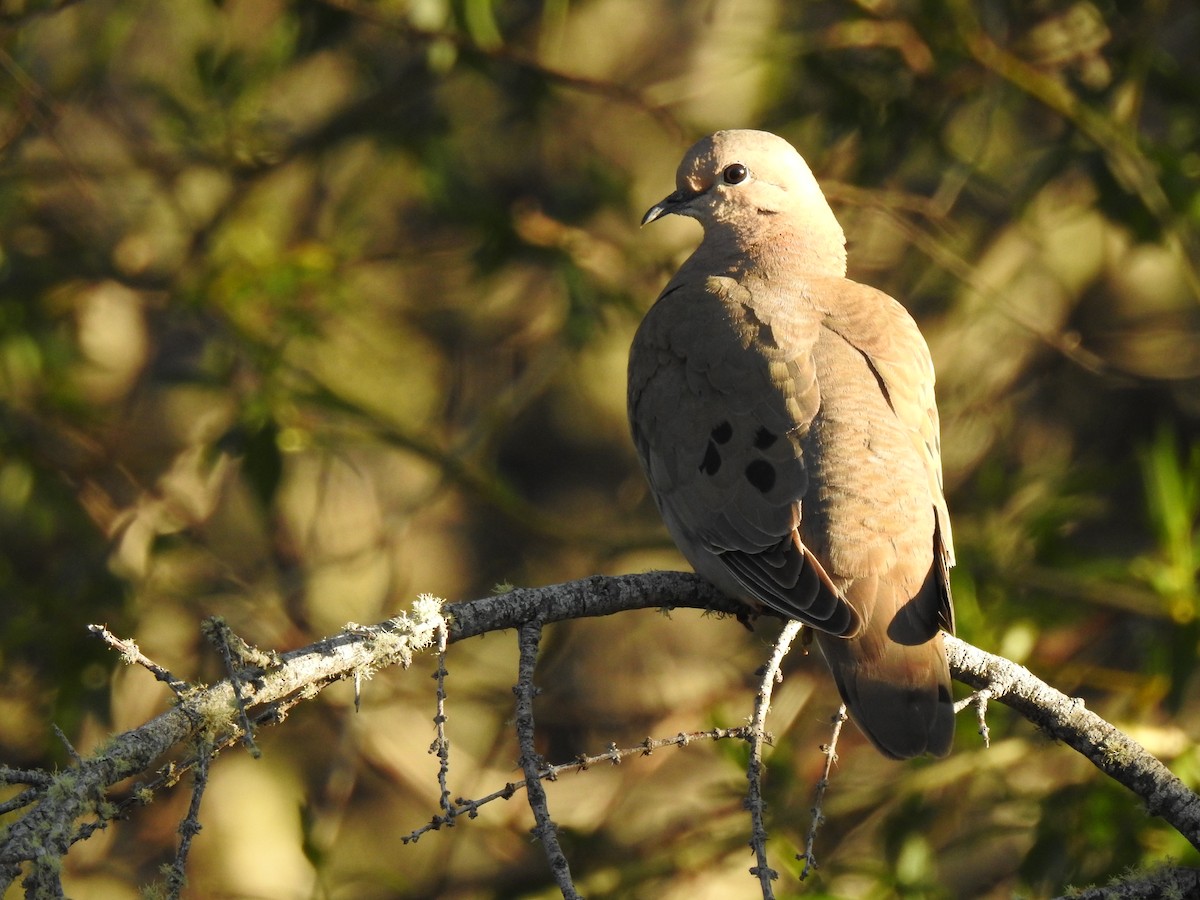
(190,826)
(530,636)
(978,700)
(26,797)
(132,655)
(461,807)
(441,744)
(818,813)
(33,777)
(66,742)
(759,737)
(613,755)
(221,637)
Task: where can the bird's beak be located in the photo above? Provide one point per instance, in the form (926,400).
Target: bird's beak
(672,203)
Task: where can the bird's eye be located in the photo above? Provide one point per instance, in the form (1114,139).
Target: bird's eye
(735,173)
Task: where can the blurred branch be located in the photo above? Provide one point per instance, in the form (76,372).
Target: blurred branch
(486,483)
(66,806)
(900,209)
(1065,343)
(895,34)
(39,106)
(1128,164)
(940,253)
(17,18)
(505,55)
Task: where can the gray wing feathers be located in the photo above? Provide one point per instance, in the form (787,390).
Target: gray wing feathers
(730,480)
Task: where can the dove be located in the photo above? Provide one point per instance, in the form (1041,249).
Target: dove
(784,417)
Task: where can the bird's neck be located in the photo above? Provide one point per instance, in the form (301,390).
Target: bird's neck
(775,252)
(810,252)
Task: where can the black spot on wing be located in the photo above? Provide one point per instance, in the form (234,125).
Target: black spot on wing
(761,474)
(764,438)
(721,434)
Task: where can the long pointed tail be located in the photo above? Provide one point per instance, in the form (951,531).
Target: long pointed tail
(894,678)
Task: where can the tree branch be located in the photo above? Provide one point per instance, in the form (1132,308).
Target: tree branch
(614,755)
(755,803)
(1065,718)
(530,638)
(66,806)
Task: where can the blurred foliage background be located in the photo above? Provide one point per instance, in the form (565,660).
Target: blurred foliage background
(307,307)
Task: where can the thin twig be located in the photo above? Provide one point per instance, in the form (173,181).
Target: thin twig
(190,826)
(979,700)
(74,754)
(461,807)
(529,637)
(221,637)
(809,855)
(613,755)
(759,737)
(441,744)
(132,655)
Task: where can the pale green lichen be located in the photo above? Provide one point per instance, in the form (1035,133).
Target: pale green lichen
(399,637)
(218,715)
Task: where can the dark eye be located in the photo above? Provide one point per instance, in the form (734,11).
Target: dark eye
(735,173)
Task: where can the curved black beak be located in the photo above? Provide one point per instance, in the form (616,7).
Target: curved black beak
(668,205)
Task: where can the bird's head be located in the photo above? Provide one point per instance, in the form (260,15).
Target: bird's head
(745,186)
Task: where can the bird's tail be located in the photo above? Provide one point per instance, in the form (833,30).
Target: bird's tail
(893,675)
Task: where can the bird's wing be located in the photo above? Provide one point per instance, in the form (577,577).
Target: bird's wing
(888,339)
(720,395)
